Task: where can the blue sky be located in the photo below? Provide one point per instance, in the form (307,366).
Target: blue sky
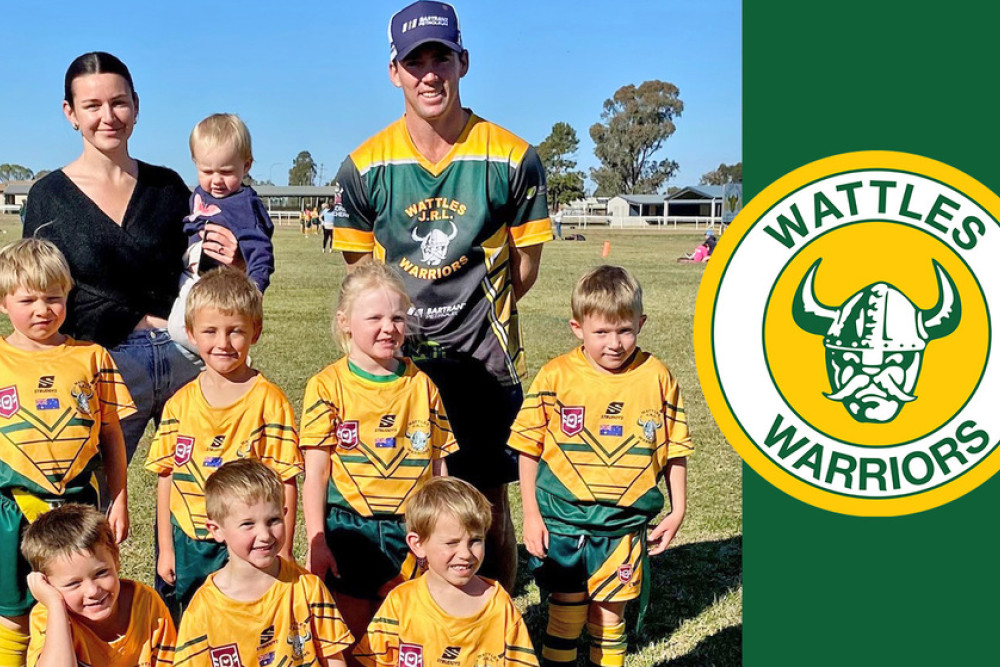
(312,75)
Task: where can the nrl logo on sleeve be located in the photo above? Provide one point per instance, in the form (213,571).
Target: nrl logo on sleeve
(843,333)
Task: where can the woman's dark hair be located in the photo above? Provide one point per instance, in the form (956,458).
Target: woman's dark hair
(95,62)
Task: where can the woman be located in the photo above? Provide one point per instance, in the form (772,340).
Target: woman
(119,223)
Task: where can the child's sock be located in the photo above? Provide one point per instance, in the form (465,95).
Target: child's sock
(13,648)
(566,621)
(607,644)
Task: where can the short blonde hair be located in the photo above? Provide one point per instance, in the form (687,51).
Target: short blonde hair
(222,129)
(448,495)
(363,276)
(246,481)
(64,531)
(34,264)
(607,291)
(229,291)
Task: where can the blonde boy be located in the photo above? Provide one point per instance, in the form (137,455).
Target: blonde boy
(450,615)
(222,153)
(229,411)
(597,429)
(60,405)
(81,600)
(260,609)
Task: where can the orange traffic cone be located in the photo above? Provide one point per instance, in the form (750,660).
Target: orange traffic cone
(606,250)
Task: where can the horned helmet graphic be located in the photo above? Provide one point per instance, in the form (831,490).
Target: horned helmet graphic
(875,341)
(82,392)
(434,244)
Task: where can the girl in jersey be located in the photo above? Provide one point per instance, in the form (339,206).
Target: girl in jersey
(373,431)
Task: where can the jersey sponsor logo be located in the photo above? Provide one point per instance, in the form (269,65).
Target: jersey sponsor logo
(266,638)
(387,421)
(614,430)
(486,659)
(625,573)
(225,656)
(450,656)
(46,403)
(436,312)
(411,655)
(82,392)
(9,403)
(419,433)
(218,441)
(614,408)
(183,449)
(212,462)
(859,387)
(385,443)
(46,381)
(650,421)
(572,420)
(338,201)
(265,659)
(347,435)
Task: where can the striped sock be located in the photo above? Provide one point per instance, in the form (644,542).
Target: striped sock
(607,644)
(566,621)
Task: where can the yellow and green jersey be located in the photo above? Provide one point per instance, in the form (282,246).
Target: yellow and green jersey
(148,641)
(411,629)
(383,433)
(295,623)
(52,406)
(448,229)
(194,439)
(602,439)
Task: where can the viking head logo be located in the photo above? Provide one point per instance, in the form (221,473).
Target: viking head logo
(82,392)
(874,342)
(434,245)
(419,441)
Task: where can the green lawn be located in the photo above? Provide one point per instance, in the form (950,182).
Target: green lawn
(696,617)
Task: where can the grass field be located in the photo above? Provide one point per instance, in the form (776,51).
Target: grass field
(696,618)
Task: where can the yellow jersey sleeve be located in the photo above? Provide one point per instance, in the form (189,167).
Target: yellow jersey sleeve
(330,633)
(442,439)
(678,442)
(319,416)
(379,646)
(518,649)
(114,397)
(160,458)
(278,443)
(527,433)
(192,642)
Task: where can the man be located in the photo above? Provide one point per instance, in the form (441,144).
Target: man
(457,205)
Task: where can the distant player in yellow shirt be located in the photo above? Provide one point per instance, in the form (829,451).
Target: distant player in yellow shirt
(82,602)
(598,428)
(259,610)
(450,616)
(60,404)
(230,411)
(373,430)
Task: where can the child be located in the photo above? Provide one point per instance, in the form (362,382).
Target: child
(222,154)
(86,615)
(59,409)
(597,429)
(260,609)
(229,411)
(450,616)
(373,430)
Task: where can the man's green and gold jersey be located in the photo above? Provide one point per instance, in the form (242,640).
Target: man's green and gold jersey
(602,439)
(448,229)
(52,406)
(383,433)
(195,439)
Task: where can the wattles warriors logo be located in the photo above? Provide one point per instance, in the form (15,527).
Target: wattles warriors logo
(843,333)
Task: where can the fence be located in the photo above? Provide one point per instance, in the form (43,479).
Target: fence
(641,222)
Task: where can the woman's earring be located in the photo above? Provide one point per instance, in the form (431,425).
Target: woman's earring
(75,127)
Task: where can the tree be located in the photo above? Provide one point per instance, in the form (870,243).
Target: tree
(41,174)
(15,172)
(726,173)
(303,171)
(556,153)
(636,122)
